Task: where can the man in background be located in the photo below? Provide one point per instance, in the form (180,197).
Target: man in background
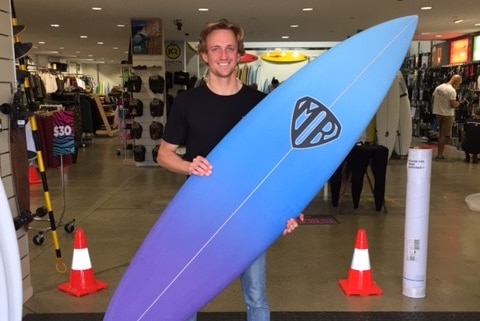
(444,102)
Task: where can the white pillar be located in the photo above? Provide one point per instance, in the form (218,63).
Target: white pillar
(419,166)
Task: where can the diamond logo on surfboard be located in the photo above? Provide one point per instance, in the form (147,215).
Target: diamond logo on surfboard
(313,124)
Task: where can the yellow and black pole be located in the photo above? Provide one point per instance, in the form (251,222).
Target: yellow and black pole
(60,265)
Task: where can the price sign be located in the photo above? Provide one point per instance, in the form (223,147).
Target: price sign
(63,133)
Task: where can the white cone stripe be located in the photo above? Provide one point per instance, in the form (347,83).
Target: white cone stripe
(361,260)
(81,260)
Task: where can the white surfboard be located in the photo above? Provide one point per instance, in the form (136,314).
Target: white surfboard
(11,269)
(386,118)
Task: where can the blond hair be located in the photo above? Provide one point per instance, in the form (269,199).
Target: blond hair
(222,24)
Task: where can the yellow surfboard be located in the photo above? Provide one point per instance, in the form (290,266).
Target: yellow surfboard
(284,57)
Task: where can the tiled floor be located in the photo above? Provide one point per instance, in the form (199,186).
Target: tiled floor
(116,203)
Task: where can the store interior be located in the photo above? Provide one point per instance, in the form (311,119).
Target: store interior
(107,183)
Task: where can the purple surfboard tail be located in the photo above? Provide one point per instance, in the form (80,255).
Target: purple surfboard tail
(266,170)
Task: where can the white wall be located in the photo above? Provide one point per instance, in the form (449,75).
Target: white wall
(108,74)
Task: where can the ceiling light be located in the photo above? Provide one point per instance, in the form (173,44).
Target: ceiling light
(294,26)
(307,9)
(203,9)
(426,8)
(54,25)
(458,21)
(97,9)
(41,42)
(84,37)
(477,24)
(99,42)
(115,48)
(121,26)
(285,37)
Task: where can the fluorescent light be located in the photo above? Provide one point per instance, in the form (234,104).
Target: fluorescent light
(97,9)
(307,9)
(54,25)
(426,8)
(203,9)
(458,21)
(294,26)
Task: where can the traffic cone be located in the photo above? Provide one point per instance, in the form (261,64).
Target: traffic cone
(360,281)
(82,279)
(33,176)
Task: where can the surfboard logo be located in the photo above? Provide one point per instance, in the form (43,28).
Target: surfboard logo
(313,124)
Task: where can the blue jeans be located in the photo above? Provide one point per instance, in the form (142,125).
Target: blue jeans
(254,288)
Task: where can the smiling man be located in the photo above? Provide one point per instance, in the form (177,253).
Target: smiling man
(201,117)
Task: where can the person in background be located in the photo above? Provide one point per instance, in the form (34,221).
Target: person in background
(444,102)
(471,142)
(201,117)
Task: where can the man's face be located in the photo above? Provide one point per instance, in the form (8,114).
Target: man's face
(222,53)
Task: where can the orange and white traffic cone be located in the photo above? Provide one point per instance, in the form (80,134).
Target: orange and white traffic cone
(359,280)
(82,279)
(33,176)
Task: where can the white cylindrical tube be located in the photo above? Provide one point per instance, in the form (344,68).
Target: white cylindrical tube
(417,206)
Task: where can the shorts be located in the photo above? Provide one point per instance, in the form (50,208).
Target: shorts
(445,124)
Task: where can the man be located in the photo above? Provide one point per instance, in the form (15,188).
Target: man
(201,117)
(444,102)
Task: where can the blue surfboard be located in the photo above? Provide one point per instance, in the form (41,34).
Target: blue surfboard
(265,171)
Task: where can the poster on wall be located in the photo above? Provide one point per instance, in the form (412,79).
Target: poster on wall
(440,53)
(460,51)
(476,48)
(174,57)
(147,37)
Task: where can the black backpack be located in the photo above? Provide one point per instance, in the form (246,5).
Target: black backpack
(156,107)
(156,130)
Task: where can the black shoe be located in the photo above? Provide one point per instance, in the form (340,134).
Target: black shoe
(22,49)
(18,29)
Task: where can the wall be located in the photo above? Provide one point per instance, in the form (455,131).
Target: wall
(109,74)
(7,86)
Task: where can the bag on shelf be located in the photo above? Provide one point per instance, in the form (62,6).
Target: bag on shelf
(134,83)
(156,84)
(136,130)
(156,107)
(139,153)
(135,107)
(156,130)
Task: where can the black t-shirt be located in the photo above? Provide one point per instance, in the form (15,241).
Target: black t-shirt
(199,118)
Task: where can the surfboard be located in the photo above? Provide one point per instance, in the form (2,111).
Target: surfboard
(284,57)
(265,171)
(387,116)
(404,132)
(10,258)
(247,57)
(3,291)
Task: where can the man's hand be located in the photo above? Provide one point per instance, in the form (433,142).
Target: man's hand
(200,166)
(292,224)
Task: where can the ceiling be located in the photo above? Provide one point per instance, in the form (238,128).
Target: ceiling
(263,21)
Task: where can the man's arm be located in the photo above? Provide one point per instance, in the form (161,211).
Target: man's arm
(168,158)
(454,103)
